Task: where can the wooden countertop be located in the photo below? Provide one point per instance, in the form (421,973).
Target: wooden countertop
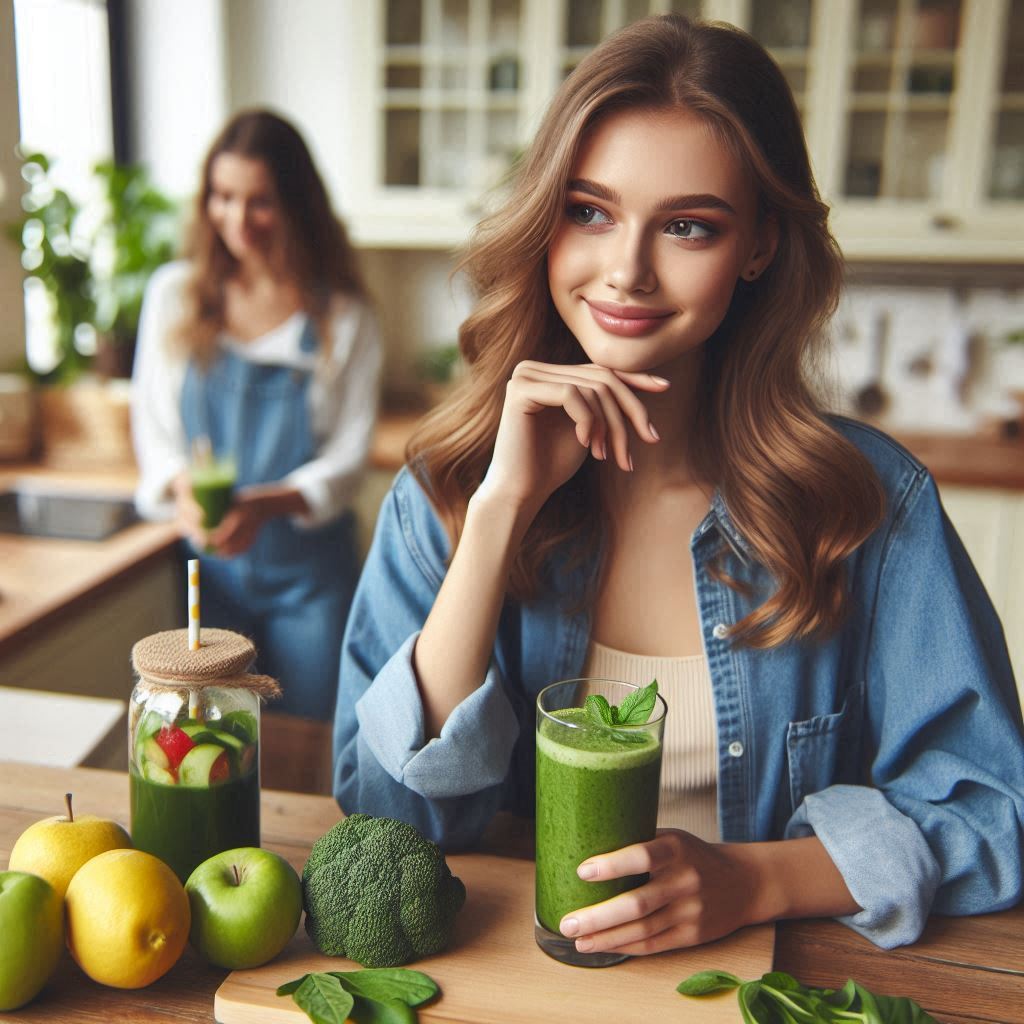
(963,970)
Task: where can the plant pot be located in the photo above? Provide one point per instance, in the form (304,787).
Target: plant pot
(115,356)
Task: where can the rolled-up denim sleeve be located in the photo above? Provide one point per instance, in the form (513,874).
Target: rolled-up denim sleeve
(448,787)
(943,828)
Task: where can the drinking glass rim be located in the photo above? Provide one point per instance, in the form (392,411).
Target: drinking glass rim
(653,720)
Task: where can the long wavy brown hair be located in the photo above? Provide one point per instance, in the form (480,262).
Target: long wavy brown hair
(801,494)
(317,249)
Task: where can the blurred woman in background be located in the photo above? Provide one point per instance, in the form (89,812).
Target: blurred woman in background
(258,353)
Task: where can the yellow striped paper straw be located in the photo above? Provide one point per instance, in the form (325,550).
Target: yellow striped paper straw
(193,604)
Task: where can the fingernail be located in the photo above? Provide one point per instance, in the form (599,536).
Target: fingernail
(653,432)
(599,451)
(631,463)
(660,380)
(570,926)
(584,945)
(587,871)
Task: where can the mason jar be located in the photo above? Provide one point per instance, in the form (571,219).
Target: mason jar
(194,747)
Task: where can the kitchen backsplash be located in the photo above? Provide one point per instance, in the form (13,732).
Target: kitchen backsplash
(915,356)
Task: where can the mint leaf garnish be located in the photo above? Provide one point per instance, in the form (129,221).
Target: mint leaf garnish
(599,711)
(637,707)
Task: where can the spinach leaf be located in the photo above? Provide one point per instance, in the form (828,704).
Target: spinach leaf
(704,982)
(374,1011)
(369,996)
(323,1000)
(778,998)
(290,986)
(389,984)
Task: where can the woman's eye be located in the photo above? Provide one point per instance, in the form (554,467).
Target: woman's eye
(691,230)
(584,214)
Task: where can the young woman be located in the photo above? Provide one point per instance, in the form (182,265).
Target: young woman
(263,341)
(638,480)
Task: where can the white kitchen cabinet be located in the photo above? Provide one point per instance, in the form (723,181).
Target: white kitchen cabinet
(991,524)
(913,109)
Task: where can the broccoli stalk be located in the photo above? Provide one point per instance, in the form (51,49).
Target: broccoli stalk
(378,892)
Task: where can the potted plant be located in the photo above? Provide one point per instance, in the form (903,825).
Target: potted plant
(56,256)
(135,237)
(90,261)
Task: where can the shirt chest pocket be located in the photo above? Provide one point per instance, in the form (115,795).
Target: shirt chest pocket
(825,750)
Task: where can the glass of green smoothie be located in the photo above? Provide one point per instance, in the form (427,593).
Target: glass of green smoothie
(213,482)
(597,791)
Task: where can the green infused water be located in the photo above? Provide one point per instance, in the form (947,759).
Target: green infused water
(595,793)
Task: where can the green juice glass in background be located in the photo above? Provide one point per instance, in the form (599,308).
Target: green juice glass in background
(596,792)
(213,484)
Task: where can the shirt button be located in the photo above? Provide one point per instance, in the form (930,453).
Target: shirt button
(735,749)
(720,632)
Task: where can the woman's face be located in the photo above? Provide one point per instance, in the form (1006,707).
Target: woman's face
(660,222)
(243,206)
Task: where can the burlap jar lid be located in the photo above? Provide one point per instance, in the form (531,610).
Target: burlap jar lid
(223,659)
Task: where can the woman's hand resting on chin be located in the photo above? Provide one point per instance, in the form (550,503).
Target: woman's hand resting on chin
(553,415)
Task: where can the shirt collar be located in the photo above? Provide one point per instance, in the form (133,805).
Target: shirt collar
(718,519)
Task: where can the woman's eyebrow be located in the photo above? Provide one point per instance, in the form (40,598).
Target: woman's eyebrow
(696,200)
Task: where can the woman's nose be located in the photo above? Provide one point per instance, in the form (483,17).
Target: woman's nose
(630,267)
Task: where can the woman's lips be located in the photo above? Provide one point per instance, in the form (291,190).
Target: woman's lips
(627,321)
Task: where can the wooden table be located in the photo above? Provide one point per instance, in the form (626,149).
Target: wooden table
(962,970)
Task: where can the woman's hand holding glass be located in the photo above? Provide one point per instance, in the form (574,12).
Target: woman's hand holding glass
(553,415)
(697,892)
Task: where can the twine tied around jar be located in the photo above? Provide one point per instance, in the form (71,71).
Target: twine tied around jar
(166,664)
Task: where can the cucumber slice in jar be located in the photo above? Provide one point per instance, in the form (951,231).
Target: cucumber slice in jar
(149,752)
(241,724)
(204,765)
(154,773)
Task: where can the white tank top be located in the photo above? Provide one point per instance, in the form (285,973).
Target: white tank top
(689,762)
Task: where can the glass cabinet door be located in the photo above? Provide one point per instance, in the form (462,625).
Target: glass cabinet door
(783,28)
(1006,171)
(900,99)
(587,22)
(451,88)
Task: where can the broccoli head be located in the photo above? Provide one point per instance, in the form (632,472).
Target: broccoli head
(378,892)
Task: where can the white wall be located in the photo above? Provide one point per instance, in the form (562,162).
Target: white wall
(12,323)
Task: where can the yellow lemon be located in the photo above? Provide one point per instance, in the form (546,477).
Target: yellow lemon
(127,918)
(55,848)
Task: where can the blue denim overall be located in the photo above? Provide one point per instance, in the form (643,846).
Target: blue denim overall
(291,591)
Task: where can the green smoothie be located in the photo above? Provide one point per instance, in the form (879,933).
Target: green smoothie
(594,794)
(213,484)
(184,825)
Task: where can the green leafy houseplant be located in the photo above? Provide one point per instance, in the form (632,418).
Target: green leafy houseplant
(135,237)
(92,259)
(56,257)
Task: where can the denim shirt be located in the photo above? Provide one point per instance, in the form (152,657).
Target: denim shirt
(897,740)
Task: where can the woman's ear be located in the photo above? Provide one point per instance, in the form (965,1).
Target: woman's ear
(765,244)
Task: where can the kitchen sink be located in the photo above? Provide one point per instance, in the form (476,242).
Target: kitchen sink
(73,515)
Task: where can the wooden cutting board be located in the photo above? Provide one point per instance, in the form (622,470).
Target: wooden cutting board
(494,973)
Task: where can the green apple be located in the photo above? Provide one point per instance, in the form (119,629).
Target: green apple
(246,905)
(31,936)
